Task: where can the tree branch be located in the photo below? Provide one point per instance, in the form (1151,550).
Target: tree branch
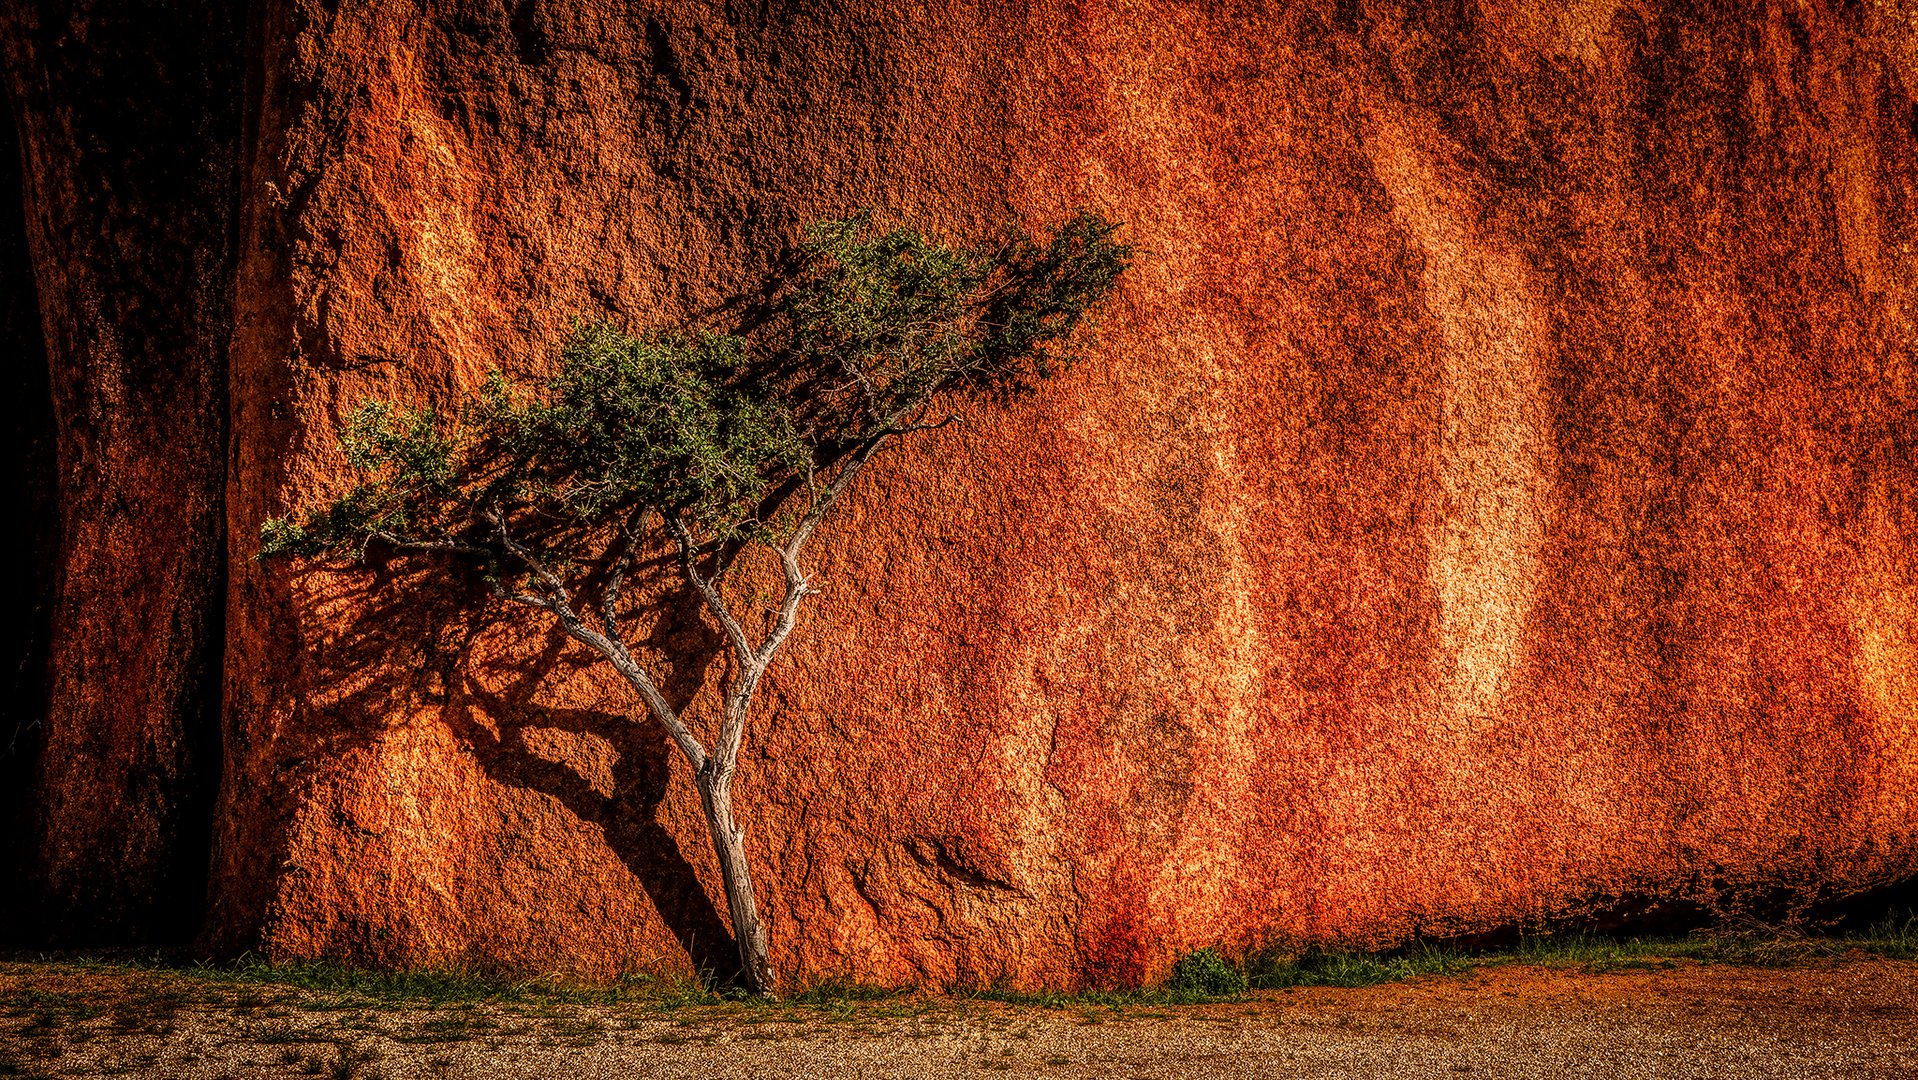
(623,663)
(553,585)
(558,601)
(450,547)
(797,588)
(628,541)
(528,599)
(823,502)
(753,664)
(910,428)
(853,368)
(688,549)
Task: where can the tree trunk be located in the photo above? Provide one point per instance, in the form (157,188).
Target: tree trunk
(729,843)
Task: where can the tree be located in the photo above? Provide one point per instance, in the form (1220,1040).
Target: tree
(723,444)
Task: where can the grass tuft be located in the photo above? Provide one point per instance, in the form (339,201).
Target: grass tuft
(1094,999)
(1894,937)
(835,992)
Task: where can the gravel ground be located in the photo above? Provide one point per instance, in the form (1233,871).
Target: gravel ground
(1853,1018)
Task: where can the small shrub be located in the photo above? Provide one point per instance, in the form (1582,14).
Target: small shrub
(1278,969)
(1206,972)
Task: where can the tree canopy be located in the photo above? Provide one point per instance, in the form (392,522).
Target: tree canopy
(719,429)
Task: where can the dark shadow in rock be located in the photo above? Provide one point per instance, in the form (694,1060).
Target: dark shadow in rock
(28,538)
(1894,903)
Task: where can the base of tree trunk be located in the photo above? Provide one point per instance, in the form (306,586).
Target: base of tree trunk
(729,843)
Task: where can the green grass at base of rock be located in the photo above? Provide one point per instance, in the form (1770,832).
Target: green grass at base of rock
(1208,975)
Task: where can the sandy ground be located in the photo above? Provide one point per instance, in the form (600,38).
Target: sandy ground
(1855,1018)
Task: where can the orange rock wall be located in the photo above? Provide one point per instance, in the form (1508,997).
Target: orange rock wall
(1492,495)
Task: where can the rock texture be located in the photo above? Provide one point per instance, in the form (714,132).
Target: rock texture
(1492,496)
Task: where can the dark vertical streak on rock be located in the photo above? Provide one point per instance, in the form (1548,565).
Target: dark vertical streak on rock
(28,537)
(128,125)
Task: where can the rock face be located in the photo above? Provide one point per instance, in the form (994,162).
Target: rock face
(1492,496)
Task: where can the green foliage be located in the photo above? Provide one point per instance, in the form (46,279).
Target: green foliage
(1207,972)
(901,316)
(892,311)
(669,419)
(1045,291)
(407,464)
(714,429)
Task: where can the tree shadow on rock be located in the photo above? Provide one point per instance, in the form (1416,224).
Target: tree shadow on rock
(641,777)
(408,634)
